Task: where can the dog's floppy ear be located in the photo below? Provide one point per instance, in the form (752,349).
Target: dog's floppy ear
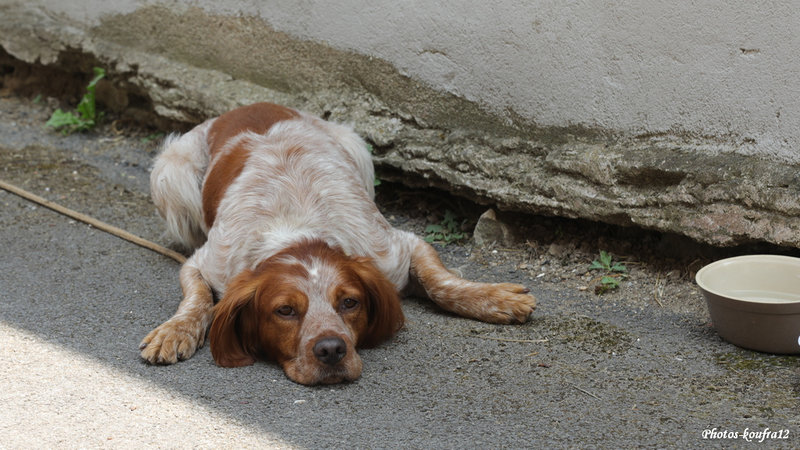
(384,313)
(230,335)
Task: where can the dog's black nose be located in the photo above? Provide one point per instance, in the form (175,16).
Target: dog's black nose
(330,350)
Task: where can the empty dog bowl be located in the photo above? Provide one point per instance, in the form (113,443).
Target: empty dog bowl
(754,301)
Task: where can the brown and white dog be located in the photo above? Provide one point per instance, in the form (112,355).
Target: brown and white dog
(279,205)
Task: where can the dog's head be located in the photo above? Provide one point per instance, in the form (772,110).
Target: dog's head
(308,308)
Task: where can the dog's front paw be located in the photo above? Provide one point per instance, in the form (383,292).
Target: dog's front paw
(173,341)
(505,303)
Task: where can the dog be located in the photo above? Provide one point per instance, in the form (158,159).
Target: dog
(279,207)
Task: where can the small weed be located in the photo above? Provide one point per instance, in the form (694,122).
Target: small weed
(447,231)
(606,284)
(86,116)
(613,273)
(607,263)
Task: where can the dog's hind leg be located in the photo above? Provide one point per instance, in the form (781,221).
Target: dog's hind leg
(488,302)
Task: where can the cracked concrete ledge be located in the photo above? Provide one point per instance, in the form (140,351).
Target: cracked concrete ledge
(199,65)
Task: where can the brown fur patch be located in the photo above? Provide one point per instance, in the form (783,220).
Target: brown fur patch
(225,167)
(257,118)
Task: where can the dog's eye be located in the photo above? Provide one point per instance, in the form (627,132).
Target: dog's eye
(349,303)
(286,311)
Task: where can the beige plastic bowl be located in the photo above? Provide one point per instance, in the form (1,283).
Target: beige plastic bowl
(754,301)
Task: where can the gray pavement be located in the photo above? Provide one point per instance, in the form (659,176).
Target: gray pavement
(583,373)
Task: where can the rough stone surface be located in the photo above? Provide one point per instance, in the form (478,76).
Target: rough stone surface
(694,186)
(490,230)
(721,199)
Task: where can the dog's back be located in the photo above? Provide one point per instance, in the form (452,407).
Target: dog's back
(192,171)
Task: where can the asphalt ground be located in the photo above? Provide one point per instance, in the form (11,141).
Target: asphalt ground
(584,372)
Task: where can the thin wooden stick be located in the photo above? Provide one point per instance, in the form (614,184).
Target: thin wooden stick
(93,222)
(585,392)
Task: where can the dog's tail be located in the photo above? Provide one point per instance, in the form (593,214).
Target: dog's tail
(176,185)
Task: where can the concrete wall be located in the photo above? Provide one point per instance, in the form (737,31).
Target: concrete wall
(722,69)
(626,113)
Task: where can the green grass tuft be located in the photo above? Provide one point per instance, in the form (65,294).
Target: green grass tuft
(86,115)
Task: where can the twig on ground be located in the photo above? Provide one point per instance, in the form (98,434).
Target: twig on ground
(120,233)
(586,392)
